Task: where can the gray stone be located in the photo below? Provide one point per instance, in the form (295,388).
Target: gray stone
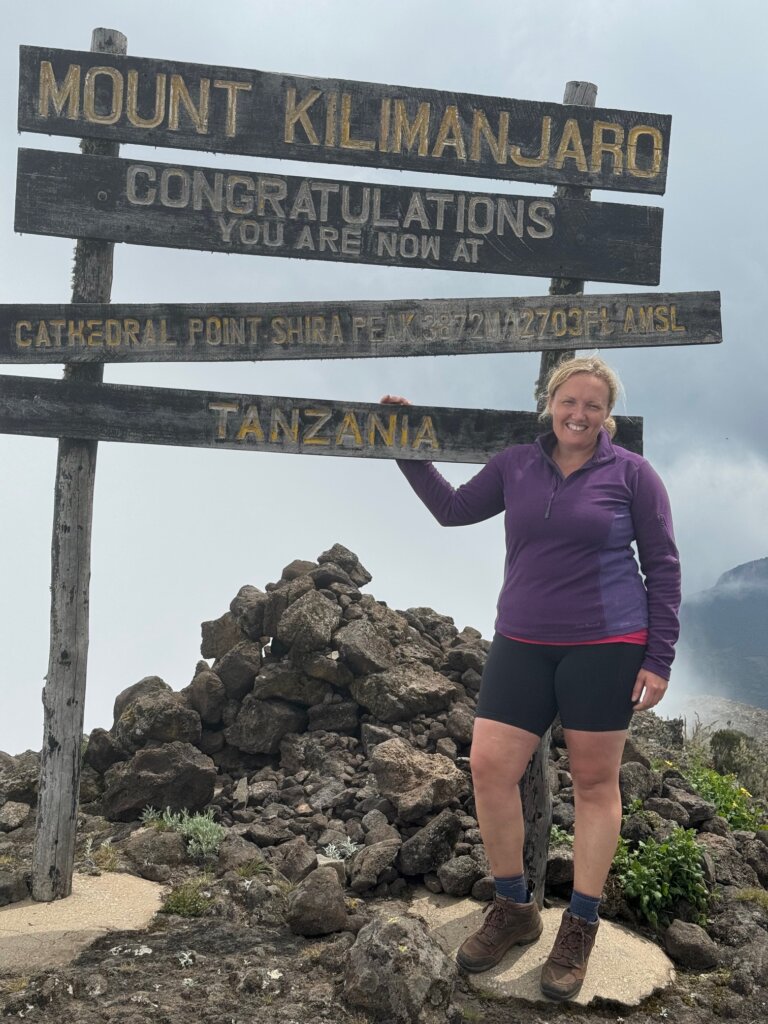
(636,782)
(467,658)
(102,751)
(559,866)
(397,972)
(236,852)
(308,624)
(727,863)
(669,809)
(316,906)
(328,575)
(363,647)
(248,609)
(206,695)
(755,853)
(458,875)
(280,598)
(146,686)
(151,846)
(176,775)
(689,945)
(371,735)
(283,681)
(342,717)
(349,562)
(459,722)
(431,845)
(14,885)
(698,809)
(238,668)
(13,815)
(366,865)
(18,776)
(415,782)
(220,635)
(402,693)
(327,667)
(262,724)
(298,567)
(156,717)
(294,859)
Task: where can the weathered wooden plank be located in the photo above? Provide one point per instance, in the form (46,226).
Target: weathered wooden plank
(224,332)
(349,222)
(234,110)
(308,426)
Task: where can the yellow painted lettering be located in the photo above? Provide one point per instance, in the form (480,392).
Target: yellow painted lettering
(58,96)
(571,147)
(449,134)
(425,434)
(673,324)
(657,149)
(516,152)
(223,409)
(349,428)
(23,335)
(298,115)
(600,146)
(311,433)
(346,141)
(180,96)
(387,433)
(278,422)
(132,101)
(89,95)
(409,131)
(232,89)
(481,129)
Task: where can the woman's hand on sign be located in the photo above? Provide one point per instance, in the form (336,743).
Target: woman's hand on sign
(393,400)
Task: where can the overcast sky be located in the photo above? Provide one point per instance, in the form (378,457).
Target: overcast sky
(178,531)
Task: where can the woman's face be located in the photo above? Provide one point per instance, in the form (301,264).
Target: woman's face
(579,408)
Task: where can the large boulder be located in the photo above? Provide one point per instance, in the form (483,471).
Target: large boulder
(19,777)
(220,635)
(363,647)
(261,724)
(397,972)
(316,906)
(431,846)
(238,668)
(248,609)
(349,562)
(158,717)
(401,693)
(308,624)
(415,782)
(102,751)
(206,695)
(176,775)
(146,686)
(281,680)
(365,866)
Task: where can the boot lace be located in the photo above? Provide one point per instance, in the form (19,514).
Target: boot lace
(570,947)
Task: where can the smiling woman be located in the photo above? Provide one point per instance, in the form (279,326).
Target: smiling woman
(578,633)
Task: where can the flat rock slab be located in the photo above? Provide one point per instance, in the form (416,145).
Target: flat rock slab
(37,936)
(624,967)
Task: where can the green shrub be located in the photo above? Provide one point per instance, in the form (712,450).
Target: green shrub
(732,800)
(189,899)
(202,833)
(559,837)
(654,876)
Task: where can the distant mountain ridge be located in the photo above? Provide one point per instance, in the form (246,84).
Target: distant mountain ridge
(724,634)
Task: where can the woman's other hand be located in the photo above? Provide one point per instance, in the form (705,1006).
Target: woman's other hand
(393,400)
(648,691)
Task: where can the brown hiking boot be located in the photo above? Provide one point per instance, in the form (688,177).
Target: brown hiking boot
(566,966)
(506,924)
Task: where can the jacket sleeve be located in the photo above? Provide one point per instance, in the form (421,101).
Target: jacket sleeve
(660,565)
(480,498)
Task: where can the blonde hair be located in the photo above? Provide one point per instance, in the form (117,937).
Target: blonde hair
(595,367)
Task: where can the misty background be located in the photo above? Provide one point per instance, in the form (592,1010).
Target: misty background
(178,531)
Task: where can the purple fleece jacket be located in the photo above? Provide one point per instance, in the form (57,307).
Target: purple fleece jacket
(570,574)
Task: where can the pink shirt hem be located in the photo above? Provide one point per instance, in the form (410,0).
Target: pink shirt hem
(640,636)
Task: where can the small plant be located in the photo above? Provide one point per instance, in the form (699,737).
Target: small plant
(753,895)
(252,868)
(656,875)
(559,837)
(732,800)
(342,850)
(103,858)
(202,833)
(189,899)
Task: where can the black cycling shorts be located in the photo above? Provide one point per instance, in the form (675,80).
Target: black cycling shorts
(590,685)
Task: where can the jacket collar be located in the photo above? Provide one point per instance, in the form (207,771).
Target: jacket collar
(603,452)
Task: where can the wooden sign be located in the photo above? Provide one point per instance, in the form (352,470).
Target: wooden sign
(203,419)
(349,222)
(221,332)
(233,110)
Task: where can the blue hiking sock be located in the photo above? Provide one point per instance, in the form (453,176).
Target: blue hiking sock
(584,907)
(514,888)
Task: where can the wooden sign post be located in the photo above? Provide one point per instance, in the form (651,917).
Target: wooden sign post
(64,694)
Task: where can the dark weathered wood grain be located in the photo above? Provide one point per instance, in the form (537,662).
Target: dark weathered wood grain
(350,222)
(235,110)
(64,694)
(222,332)
(308,426)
